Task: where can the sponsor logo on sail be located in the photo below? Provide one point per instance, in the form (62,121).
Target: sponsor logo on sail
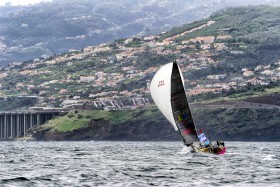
(161,83)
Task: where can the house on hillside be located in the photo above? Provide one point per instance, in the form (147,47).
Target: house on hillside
(87,78)
(248,73)
(63,91)
(237,52)
(267,72)
(217,77)
(140,101)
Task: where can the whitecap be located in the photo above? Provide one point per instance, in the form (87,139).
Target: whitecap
(269,157)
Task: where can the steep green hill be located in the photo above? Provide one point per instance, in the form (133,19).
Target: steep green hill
(253,30)
(251,25)
(149,124)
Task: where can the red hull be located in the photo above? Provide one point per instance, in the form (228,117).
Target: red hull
(223,151)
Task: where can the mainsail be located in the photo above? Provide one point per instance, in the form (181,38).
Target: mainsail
(168,92)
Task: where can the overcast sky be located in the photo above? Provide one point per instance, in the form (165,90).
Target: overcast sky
(21,2)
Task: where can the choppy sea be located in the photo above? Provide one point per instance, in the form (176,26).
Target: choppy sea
(137,164)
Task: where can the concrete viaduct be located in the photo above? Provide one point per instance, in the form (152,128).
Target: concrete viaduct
(15,124)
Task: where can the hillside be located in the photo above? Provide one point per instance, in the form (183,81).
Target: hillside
(219,58)
(45,29)
(148,124)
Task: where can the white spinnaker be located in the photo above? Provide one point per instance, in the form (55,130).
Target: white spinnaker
(161,92)
(182,78)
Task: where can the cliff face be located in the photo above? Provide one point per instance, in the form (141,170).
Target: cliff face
(224,124)
(104,130)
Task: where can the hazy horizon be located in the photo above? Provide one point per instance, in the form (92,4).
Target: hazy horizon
(21,2)
(226,2)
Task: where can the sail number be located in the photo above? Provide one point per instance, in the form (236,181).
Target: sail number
(161,83)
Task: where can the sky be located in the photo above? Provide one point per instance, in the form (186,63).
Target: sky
(21,2)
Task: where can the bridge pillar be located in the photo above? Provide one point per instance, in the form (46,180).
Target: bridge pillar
(18,125)
(11,125)
(21,125)
(38,120)
(1,128)
(24,125)
(5,126)
(31,121)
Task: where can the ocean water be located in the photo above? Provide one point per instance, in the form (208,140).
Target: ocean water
(137,164)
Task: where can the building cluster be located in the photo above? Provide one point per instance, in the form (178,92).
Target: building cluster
(104,104)
(123,64)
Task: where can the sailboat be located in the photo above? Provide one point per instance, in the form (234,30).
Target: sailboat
(168,92)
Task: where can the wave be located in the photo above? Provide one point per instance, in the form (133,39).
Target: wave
(17,179)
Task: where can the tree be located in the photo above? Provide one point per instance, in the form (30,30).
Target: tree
(197,45)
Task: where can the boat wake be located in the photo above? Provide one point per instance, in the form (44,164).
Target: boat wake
(185,150)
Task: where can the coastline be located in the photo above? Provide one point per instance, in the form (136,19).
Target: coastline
(147,124)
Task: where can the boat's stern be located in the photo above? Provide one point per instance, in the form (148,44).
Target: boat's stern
(216,151)
(222,151)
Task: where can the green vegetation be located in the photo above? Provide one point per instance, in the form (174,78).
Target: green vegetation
(70,125)
(227,124)
(250,25)
(11,103)
(238,94)
(239,123)
(67,123)
(114,117)
(177,30)
(81,118)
